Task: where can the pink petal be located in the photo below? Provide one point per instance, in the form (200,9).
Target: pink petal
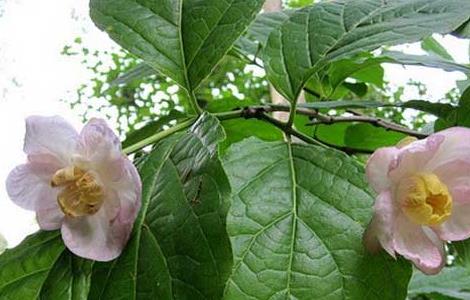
(50,135)
(29,186)
(457,227)
(378,166)
(456,175)
(50,218)
(419,244)
(98,143)
(103,236)
(456,146)
(414,157)
(379,233)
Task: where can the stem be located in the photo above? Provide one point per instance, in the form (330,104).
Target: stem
(289,130)
(158,136)
(193,101)
(371,120)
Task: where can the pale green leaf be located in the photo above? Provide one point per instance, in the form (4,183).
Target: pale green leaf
(451,282)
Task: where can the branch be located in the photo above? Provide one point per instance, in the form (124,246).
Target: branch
(366,119)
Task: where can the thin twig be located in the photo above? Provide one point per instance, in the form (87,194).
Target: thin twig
(366,119)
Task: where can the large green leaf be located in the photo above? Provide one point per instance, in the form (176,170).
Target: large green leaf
(24,269)
(296,223)
(180,248)
(451,282)
(69,279)
(183,40)
(317,35)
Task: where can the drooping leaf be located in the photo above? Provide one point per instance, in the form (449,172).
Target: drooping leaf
(451,282)
(317,35)
(180,247)
(183,40)
(296,223)
(24,269)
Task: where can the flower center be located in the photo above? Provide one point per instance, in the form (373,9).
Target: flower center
(81,195)
(424,199)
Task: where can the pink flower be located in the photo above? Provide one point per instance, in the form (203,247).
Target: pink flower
(80,183)
(423,197)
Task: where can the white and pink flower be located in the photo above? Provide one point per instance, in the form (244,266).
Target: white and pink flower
(80,183)
(423,197)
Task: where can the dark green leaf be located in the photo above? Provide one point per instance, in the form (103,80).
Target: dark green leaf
(183,40)
(180,248)
(69,279)
(296,223)
(24,269)
(462,255)
(333,30)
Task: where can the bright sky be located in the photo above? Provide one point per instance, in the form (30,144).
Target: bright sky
(34,77)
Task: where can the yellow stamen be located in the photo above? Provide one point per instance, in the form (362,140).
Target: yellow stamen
(424,199)
(81,194)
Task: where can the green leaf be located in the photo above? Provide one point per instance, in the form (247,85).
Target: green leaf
(462,255)
(179,248)
(24,269)
(433,47)
(451,282)
(369,137)
(183,40)
(425,61)
(69,279)
(238,130)
(296,223)
(333,30)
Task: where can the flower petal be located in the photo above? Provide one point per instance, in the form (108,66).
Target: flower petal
(378,166)
(29,186)
(94,237)
(457,227)
(456,175)
(50,218)
(50,135)
(379,232)
(418,244)
(455,146)
(98,143)
(103,236)
(413,157)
